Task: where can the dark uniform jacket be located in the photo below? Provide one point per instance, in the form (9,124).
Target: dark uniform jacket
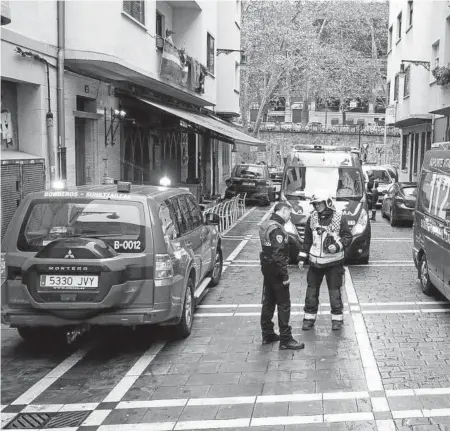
(275,247)
(315,244)
(374,196)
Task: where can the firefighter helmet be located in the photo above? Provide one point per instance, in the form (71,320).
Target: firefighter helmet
(322,196)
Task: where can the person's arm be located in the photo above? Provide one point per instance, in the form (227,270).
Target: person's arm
(278,240)
(345,235)
(307,243)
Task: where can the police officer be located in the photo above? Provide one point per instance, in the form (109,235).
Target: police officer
(327,236)
(274,261)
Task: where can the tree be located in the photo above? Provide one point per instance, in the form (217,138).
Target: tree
(327,48)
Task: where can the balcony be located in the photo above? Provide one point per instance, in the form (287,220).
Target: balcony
(328,129)
(184,4)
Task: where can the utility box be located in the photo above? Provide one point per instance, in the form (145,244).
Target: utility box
(21,173)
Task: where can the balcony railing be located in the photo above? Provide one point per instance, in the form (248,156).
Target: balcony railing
(319,128)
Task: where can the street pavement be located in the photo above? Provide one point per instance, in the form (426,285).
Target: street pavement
(388,369)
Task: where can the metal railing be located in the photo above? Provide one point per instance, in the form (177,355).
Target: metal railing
(228,211)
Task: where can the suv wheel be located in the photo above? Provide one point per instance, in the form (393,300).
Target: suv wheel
(183,328)
(217,269)
(424,276)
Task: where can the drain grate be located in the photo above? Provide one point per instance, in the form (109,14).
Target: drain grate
(67,419)
(49,420)
(28,421)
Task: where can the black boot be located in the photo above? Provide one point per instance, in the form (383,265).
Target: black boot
(271,338)
(336,325)
(307,325)
(291,345)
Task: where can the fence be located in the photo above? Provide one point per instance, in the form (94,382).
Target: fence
(228,211)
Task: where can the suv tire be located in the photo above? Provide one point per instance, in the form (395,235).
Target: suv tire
(217,269)
(183,328)
(424,278)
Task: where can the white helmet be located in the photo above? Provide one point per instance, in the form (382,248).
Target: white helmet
(322,196)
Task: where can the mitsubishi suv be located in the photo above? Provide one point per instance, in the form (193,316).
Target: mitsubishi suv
(107,255)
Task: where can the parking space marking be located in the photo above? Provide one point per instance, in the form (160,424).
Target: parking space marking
(39,387)
(118,392)
(96,418)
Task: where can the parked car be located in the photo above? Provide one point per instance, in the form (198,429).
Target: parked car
(253,179)
(276,176)
(107,255)
(431,234)
(399,202)
(381,174)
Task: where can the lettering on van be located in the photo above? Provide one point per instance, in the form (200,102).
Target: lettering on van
(61,194)
(436,162)
(438,230)
(97,195)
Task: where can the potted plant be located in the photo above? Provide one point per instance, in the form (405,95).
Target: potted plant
(442,74)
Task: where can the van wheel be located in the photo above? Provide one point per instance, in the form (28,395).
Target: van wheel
(183,328)
(217,269)
(424,276)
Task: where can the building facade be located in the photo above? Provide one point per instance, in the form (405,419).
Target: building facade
(418,78)
(146,91)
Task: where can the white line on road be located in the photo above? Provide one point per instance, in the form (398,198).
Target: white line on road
(371,372)
(118,392)
(267,215)
(39,387)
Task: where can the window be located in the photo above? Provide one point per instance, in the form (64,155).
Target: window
(186,213)
(210,53)
(388,91)
(399,27)
(390,37)
(410,13)
(135,9)
(159,24)
(237,76)
(422,148)
(435,55)
(194,209)
(177,215)
(396,85)
(435,195)
(416,153)
(168,220)
(225,157)
(407,83)
(404,151)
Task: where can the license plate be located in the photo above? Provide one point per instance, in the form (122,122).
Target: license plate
(69,282)
(247,183)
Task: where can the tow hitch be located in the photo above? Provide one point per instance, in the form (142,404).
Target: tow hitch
(74,333)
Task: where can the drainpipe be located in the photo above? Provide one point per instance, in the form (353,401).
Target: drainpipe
(50,131)
(62,166)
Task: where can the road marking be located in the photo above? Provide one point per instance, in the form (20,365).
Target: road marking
(96,418)
(221,401)
(406,414)
(243,216)
(386,425)
(6,417)
(380,404)
(286,420)
(371,372)
(39,387)
(348,417)
(267,215)
(155,426)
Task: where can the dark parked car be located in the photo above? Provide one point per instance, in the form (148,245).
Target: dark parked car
(252,179)
(399,202)
(101,255)
(276,176)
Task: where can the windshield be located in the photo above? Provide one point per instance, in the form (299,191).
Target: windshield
(380,175)
(249,171)
(338,182)
(108,220)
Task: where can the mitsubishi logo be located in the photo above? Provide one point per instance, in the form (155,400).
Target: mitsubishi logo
(69,255)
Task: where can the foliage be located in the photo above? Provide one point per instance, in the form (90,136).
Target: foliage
(310,48)
(442,74)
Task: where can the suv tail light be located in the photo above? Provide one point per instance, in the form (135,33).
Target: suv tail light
(3,267)
(163,266)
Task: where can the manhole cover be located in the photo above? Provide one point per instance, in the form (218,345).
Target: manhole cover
(49,420)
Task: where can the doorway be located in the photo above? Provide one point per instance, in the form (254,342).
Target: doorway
(80,151)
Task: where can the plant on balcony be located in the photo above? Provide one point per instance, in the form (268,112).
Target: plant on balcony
(442,74)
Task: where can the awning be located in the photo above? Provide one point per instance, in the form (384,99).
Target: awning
(17,155)
(210,123)
(442,111)
(413,120)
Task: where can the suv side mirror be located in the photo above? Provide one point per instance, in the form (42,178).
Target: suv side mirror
(211,218)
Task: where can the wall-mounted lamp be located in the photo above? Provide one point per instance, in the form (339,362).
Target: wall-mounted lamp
(425,64)
(117,115)
(234,149)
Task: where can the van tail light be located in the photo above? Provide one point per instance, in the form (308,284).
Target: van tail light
(163,266)
(3,268)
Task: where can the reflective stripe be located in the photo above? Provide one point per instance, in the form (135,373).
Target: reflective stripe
(339,243)
(337,317)
(303,254)
(309,316)
(319,260)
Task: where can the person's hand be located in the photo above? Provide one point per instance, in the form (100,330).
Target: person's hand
(286,282)
(332,248)
(301,265)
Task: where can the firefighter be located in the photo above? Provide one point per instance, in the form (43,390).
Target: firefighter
(274,262)
(327,236)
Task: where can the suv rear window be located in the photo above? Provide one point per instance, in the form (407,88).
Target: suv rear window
(246,171)
(118,223)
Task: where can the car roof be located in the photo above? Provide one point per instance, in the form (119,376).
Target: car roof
(157,193)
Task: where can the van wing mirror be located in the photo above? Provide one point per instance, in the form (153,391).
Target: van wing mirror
(211,218)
